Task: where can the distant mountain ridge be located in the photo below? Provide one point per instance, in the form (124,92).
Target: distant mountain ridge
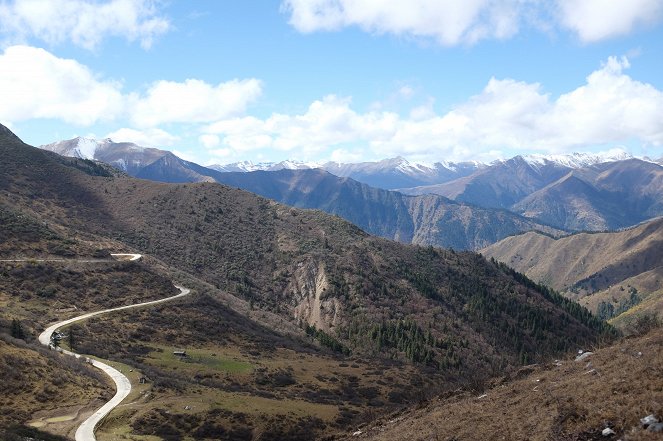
(607,272)
(578,191)
(426,220)
(423,220)
(389,173)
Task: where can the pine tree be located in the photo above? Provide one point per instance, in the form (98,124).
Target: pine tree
(72,338)
(17,330)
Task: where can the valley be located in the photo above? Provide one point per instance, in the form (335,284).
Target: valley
(617,275)
(298,323)
(326,220)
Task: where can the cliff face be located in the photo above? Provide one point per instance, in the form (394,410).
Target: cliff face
(309,288)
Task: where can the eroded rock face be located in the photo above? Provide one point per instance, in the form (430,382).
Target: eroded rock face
(309,287)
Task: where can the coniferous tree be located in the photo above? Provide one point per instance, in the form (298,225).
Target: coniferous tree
(17,330)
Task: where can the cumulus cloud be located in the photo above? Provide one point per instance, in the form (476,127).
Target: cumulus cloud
(83,22)
(36,84)
(455,22)
(449,22)
(610,107)
(327,122)
(209,141)
(146,138)
(194,101)
(595,20)
(346,156)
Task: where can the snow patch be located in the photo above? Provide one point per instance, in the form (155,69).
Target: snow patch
(578,160)
(85,148)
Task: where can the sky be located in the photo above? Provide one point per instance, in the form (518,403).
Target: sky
(220,81)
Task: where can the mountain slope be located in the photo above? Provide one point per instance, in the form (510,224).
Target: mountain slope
(170,168)
(618,269)
(605,196)
(299,321)
(566,400)
(570,192)
(500,185)
(428,221)
(424,220)
(576,205)
(282,258)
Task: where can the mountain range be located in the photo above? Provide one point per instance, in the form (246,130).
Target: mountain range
(299,321)
(575,192)
(388,174)
(583,193)
(426,220)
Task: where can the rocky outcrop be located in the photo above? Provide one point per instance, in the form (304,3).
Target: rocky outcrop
(309,287)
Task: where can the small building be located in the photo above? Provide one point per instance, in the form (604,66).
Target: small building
(181,354)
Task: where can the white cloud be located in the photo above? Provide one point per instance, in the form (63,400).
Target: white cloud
(610,107)
(36,84)
(209,141)
(327,122)
(346,156)
(187,156)
(454,22)
(194,101)
(146,138)
(595,20)
(449,22)
(84,22)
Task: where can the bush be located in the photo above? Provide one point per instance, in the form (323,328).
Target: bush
(643,324)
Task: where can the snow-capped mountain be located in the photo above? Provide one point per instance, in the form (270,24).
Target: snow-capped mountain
(579,160)
(249,166)
(399,172)
(576,191)
(126,156)
(84,148)
(388,174)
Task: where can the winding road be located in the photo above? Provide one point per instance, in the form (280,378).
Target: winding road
(85,431)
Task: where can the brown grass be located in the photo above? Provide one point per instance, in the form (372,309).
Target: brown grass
(615,387)
(36,381)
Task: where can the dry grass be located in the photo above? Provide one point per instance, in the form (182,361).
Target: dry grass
(614,387)
(45,387)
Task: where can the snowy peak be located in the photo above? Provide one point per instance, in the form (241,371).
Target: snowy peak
(79,147)
(125,156)
(249,166)
(577,160)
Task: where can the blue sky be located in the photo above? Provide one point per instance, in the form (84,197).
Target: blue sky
(219,81)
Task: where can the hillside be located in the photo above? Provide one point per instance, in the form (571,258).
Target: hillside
(578,192)
(565,400)
(606,196)
(576,205)
(607,272)
(300,322)
(36,380)
(423,220)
